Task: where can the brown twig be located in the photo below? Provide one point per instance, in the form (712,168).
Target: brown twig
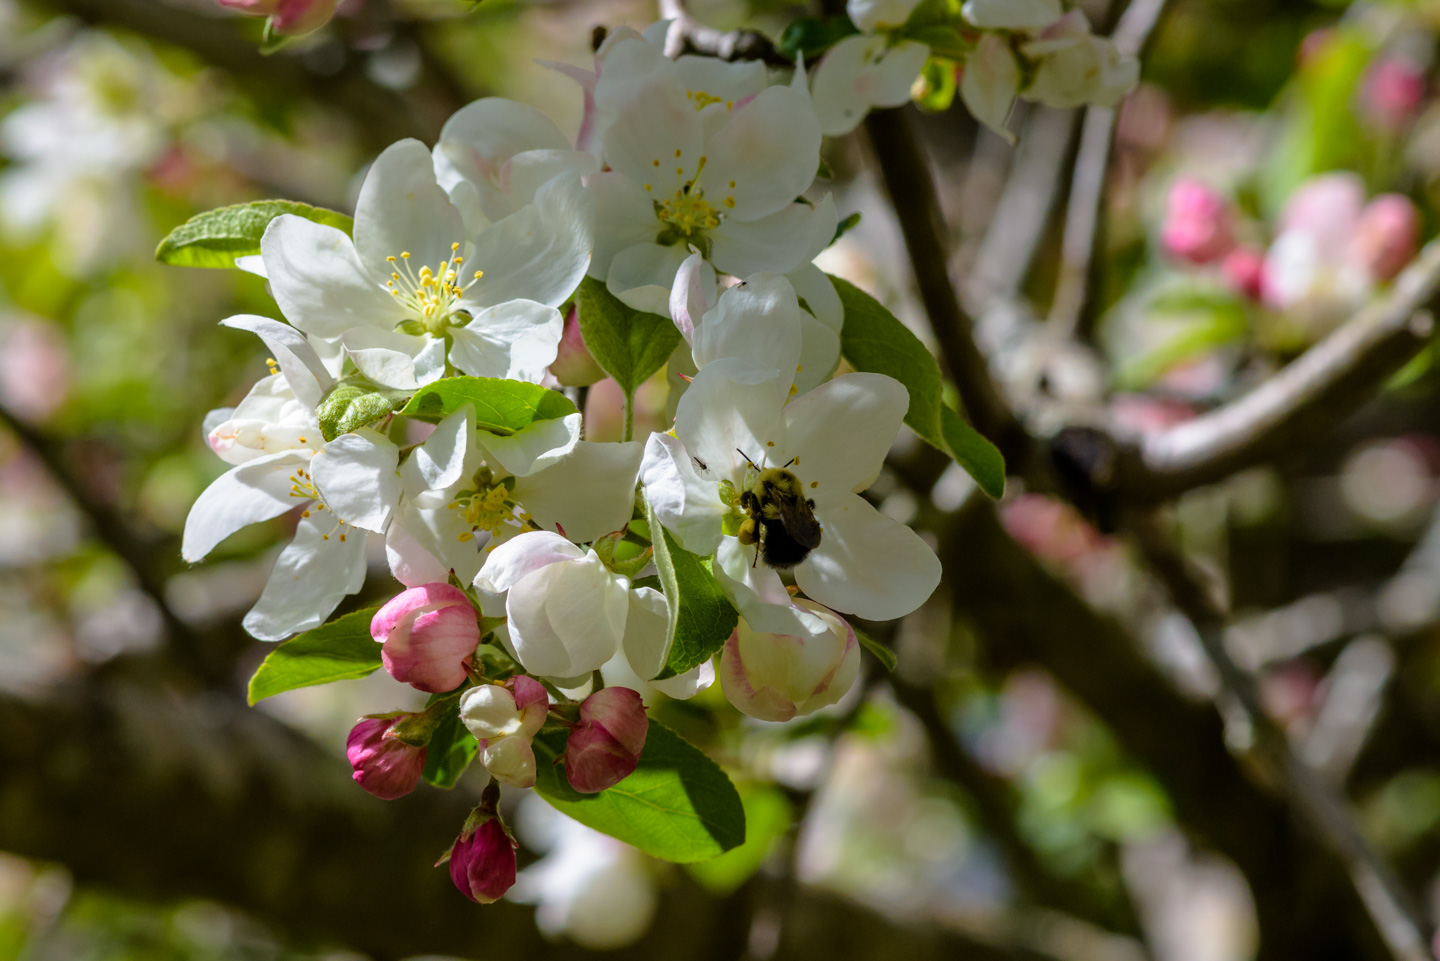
(1392,909)
(688,35)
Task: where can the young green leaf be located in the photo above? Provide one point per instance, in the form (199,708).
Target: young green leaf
(812,36)
(678,804)
(501,406)
(216,237)
(352,404)
(873,339)
(628,344)
(883,654)
(701,617)
(342,650)
(450,751)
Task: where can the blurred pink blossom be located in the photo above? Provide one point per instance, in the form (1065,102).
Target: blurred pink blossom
(1197,223)
(1244,271)
(1387,236)
(1393,92)
(291,18)
(34,369)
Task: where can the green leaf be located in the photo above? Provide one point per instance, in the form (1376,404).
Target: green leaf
(342,650)
(812,36)
(216,237)
(943,41)
(501,406)
(678,805)
(883,654)
(846,225)
(873,339)
(450,751)
(701,616)
(354,403)
(768,815)
(970,448)
(628,344)
(1203,319)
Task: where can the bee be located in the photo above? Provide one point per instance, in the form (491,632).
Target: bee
(781,521)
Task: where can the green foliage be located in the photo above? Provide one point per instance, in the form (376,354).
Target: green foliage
(939,90)
(882,653)
(678,804)
(812,36)
(944,41)
(873,339)
(501,406)
(216,237)
(450,751)
(701,617)
(342,650)
(1208,317)
(767,817)
(629,345)
(354,403)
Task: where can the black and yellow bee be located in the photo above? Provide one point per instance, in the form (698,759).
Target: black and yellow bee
(781,521)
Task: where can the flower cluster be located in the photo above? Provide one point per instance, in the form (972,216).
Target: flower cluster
(411,402)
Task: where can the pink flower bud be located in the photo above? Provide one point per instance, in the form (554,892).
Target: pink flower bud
(1197,223)
(604,748)
(1387,236)
(1393,92)
(573,366)
(430,634)
(482,862)
(1244,271)
(386,767)
(290,18)
(775,677)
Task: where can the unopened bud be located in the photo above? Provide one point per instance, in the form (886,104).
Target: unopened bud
(1244,271)
(289,18)
(482,861)
(1197,223)
(385,766)
(775,677)
(604,748)
(505,718)
(574,366)
(1393,92)
(429,634)
(1387,236)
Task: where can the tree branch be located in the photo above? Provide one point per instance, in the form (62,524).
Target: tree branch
(688,35)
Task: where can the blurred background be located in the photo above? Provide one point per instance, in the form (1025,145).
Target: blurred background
(1049,773)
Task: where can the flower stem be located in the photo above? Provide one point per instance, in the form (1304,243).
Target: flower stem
(629,417)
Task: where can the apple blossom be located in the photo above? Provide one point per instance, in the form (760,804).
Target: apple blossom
(1197,223)
(429,635)
(1026,15)
(482,860)
(1076,67)
(719,176)
(1387,236)
(833,439)
(860,73)
(604,747)
(410,281)
(990,82)
(384,765)
(775,677)
(505,718)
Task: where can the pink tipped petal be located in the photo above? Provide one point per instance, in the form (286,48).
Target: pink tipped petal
(529,693)
(385,767)
(429,634)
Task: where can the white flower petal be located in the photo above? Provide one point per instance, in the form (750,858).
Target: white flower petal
(488,711)
(780,243)
(523,555)
(516,340)
(310,578)
(411,562)
(654,135)
(685,686)
(769,150)
(867,564)
(686,502)
(990,82)
(642,276)
(730,413)
(402,209)
(752,585)
(647,632)
(441,458)
(255,491)
(1028,15)
(317,279)
(539,253)
(567,618)
(386,357)
(870,15)
(355,475)
(536,447)
(304,373)
(758,322)
(842,430)
(624,217)
(589,492)
(693,294)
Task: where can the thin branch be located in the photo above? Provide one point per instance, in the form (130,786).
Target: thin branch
(1073,293)
(1392,909)
(688,35)
(1305,400)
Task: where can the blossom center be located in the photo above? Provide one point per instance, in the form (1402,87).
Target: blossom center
(303,485)
(701,99)
(431,295)
(486,510)
(686,213)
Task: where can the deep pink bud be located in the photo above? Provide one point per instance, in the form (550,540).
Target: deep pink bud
(1393,92)
(574,366)
(430,634)
(1244,271)
(289,18)
(1387,236)
(386,767)
(482,862)
(1197,223)
(604,748)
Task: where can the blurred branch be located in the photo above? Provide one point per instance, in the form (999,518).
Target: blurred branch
(182,643)
(1391,907)
(1303,401)
(997,806)
(1071,310)
(1306,905)
(161,796)
(688,35)
(380,115)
